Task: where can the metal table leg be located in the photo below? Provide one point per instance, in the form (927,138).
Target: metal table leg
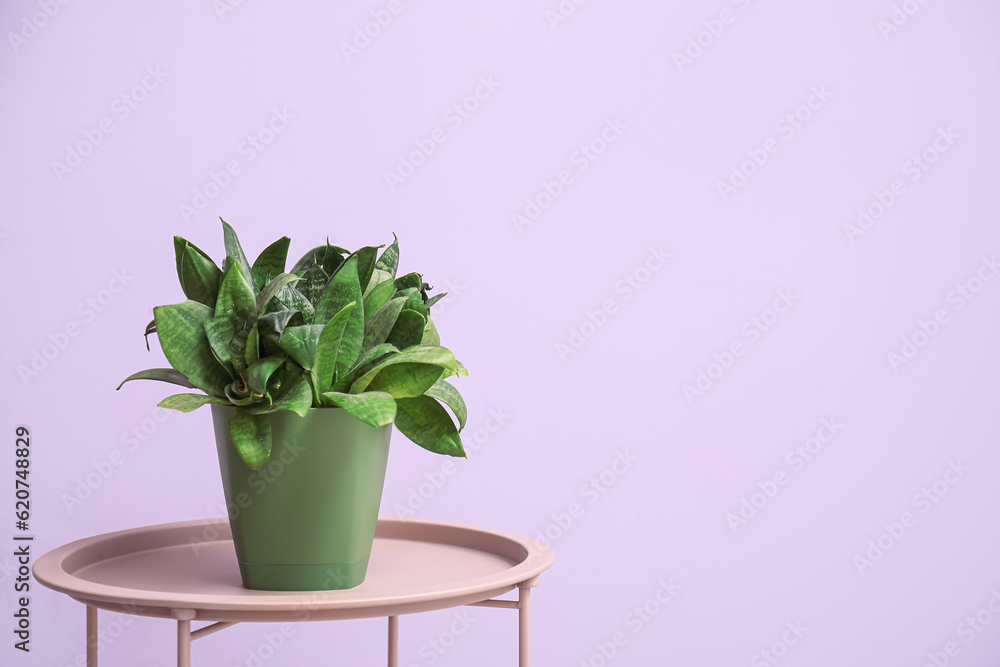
(393,641)
(524,624)
(183,643)
(91,636)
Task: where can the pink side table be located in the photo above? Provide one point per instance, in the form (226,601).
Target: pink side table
(187,571)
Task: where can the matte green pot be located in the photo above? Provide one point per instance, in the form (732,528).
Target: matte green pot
(306,520)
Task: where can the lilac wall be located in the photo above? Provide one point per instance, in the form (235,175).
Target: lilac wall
(722,274)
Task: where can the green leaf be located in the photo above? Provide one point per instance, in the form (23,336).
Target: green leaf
(364,362)
(409,281)
(379,295)
(408,330)
(448,395)
(181,330)
(236,300)
(313,284)
(366,263)
(328,348)
(289,298)
(271,262)
(220,334)
(300,343)
(189,402)
(252,354)
(251,435)
(235,251)
(374,408)
(436,356)
(150,328)
(199,276)
(430,336)
(259,373)
(390,257)
(275,323)
(328,256)
(297,396)
(342,289)
(434,299)
(380,323)
(424,421)
(272,288)
(405,380)
(161,374)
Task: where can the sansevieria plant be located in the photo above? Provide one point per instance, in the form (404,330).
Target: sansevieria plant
(338,330)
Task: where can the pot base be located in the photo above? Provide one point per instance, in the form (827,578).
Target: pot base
(298,577)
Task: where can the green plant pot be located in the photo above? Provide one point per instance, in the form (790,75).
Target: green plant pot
(306,520)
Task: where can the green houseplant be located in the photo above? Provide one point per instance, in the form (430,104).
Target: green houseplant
(311,365)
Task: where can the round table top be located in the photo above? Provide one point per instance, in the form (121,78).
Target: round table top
(188,570)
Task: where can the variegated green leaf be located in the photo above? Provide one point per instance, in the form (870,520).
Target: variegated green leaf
(251,435)
(424,421)
(390,257)
(189,402)
(435,356)
(161,374)
(448,395)
(296,395)
(408,329)
(272,288)
(259,373)
(380,323)
(199,276)
(405,380)
(328,348)
(374,408)
(379,295)
(235,251)
(271,262)
(430,336)
(300,343)
(181,331)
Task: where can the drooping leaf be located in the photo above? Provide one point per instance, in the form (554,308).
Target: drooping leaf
(270,263)
(379,295)
(424,421)
(380,323)
(295,395)
(199,276)
(405,380)
(448,395)
(161,374)
(235,251)
(436,356)
(390,257)
(408,329)
(181,330)
(374,408)
(362,365)
(272,288)
(251,435)
(150,328)
(189,402)
(300,343)
(430,336)
(328,348)
(259,373)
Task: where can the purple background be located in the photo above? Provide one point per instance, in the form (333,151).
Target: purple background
(643,110)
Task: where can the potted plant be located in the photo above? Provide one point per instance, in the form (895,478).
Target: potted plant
(305,371)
